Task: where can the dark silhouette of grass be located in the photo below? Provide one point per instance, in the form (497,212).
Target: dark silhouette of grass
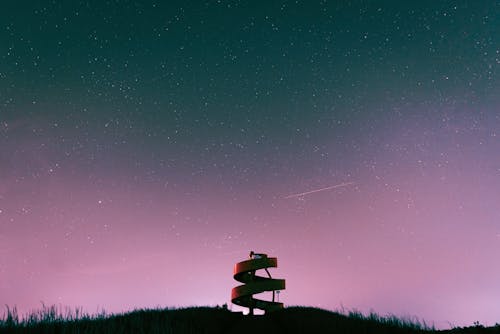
(216,320)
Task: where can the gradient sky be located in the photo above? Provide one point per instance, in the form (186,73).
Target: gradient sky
(145,147)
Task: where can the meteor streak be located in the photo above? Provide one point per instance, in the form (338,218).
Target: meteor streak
(318,190)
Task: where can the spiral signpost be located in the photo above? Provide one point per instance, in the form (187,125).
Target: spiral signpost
(245,272)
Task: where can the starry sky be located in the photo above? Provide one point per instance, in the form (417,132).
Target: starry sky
(146,147)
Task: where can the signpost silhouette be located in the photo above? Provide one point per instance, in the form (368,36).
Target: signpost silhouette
(245,272)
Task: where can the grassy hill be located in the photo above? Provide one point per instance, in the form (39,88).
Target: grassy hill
(218,321)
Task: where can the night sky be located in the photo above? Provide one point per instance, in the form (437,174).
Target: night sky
(146,147)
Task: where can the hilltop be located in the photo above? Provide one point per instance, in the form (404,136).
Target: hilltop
(209,320)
